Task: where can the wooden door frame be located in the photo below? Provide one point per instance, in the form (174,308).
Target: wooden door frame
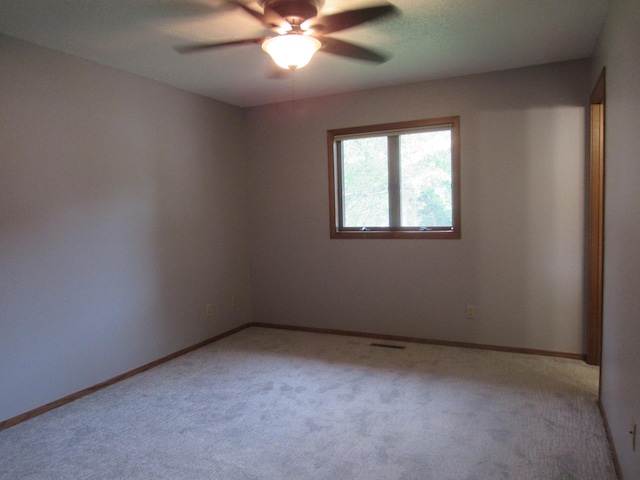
(596,222)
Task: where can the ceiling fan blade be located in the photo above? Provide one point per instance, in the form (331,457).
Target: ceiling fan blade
(198,47)
(347,19)
(351,50)
(269,18)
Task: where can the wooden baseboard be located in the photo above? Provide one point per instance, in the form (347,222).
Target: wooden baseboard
(99,386)
(397,338)
(607,429)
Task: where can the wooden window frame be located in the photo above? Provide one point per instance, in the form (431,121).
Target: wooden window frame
(391,130)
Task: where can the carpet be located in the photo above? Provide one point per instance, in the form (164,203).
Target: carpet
(284,405)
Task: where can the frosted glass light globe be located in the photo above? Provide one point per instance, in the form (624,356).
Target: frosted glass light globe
(291,51)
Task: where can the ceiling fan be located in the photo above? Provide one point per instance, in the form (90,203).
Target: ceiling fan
(299,32)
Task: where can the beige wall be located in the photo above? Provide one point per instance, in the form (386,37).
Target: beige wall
(520,259)
(122,213)
(619,51)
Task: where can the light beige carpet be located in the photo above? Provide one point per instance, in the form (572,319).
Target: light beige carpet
(283,405)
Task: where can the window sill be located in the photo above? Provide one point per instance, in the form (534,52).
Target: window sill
(380,235)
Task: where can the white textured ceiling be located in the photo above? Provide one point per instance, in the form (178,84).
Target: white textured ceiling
(429,39)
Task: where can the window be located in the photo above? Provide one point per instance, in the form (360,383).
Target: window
(399,180)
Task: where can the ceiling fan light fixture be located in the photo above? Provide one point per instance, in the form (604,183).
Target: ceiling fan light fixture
(291,51)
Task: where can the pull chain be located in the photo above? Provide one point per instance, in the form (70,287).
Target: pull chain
(293,92)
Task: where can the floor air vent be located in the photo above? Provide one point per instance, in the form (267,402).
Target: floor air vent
(386,345)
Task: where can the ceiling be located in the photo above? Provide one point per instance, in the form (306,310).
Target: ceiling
(429,39)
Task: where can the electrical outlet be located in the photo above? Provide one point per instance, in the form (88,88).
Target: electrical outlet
(209,310)
(632,432)
(471,312)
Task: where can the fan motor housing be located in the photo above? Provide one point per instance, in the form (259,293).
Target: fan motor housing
(294,11)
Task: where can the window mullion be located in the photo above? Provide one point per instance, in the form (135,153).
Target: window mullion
(393,154)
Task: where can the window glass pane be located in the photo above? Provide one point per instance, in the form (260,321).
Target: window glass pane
(365,182)
(425,179)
